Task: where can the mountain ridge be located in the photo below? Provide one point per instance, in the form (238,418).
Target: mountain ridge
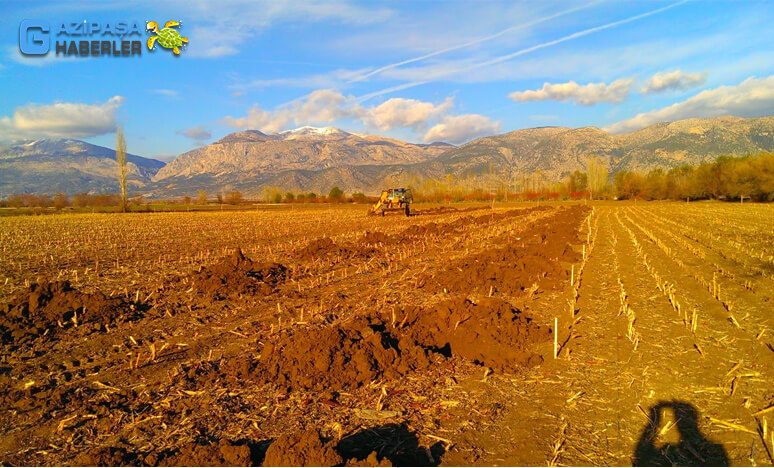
(53,165)
(316,159)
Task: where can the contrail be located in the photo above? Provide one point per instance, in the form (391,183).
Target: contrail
(518,53)
(473,42)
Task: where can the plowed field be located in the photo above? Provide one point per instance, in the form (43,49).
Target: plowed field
(520,335)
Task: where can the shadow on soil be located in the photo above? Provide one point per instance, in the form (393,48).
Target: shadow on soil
(393,442)
(691,447)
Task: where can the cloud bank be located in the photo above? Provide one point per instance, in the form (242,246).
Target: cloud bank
(61,119)
(585,95)
(754,97)
(674,80)
(327,106)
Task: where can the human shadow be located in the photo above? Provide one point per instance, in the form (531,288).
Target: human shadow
(692,448)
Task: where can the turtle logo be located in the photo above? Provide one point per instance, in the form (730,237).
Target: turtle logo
(167,38)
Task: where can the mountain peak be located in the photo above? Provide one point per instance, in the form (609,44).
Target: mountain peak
(314,131)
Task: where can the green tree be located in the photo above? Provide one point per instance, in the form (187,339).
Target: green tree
(289,197)
(201,197)
(336,194)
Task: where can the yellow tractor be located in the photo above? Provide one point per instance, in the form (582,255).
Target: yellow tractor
(398,199)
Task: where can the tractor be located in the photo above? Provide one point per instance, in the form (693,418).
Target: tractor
(397,199)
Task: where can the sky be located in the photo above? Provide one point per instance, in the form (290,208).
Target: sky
(418,70)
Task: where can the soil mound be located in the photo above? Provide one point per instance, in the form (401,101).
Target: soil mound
(305,448)
(49,307)
(536,258)
(491,333)
(238,274)
(338,357)
(222,453)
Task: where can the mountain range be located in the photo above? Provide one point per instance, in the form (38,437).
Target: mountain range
(316,159)
(69,166)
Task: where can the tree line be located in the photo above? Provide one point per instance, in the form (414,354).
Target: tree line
(729,178)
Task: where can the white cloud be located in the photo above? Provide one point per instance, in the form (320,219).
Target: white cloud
(585,95)
(319,107)
(326,106)
(674,80)
(199,133)
(405,113)
(754,97)
(61,119)
(460,128)
(171,93)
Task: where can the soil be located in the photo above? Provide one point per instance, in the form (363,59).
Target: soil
(491,333)
(535,257)
(327,248)
(368,341)
(238,275)
(49,309)
(388,445)
(360,351)
(105,456)
(306,448)
(222,453)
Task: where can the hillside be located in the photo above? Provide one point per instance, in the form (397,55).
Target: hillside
(306,158)
(70,166)
(312,159)
(557,151)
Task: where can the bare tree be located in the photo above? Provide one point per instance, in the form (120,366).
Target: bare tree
(597,174)
(122,167)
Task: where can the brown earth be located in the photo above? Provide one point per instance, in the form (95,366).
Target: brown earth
(366,359)
(49,309)
(360,351)
(326,247)
(491,333)
(304,448)
(238,275)
(535,257)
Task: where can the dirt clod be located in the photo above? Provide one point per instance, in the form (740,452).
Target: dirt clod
(304,448)
(238,274)
(338,357)
(491,332)
(49,308)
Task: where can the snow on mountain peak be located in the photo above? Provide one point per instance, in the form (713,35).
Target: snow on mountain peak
(316,131)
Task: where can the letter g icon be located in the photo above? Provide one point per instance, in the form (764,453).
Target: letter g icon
(33,37)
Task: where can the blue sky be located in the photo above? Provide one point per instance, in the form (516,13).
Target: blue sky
(415,70)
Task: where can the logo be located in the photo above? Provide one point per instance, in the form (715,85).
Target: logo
(33,37)
(167,37)
(93,39)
